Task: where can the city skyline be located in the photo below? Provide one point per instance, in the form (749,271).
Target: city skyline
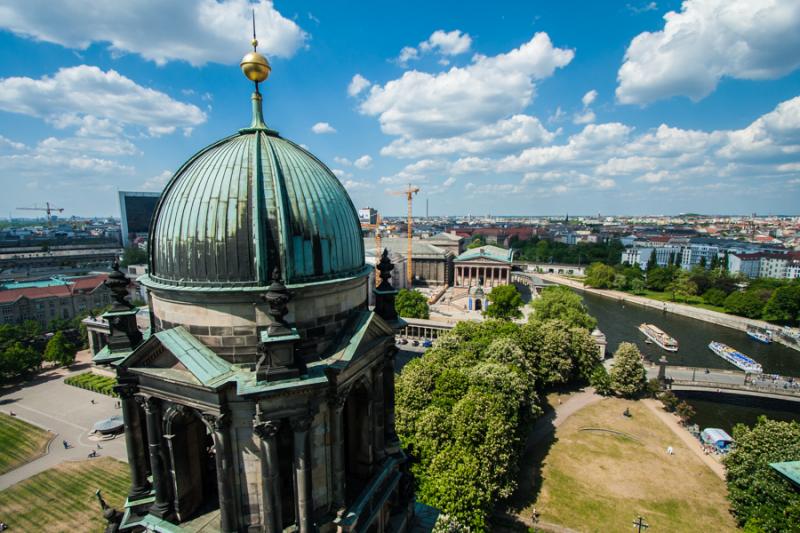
(533,110)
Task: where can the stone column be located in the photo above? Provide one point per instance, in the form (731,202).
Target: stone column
(336,408)
(378,409)
(300,426)
(218,423)
(161,505)
(390,436)
(140,488)
(270,475)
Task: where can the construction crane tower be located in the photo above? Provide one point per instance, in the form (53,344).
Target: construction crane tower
(409,193)
(49,209)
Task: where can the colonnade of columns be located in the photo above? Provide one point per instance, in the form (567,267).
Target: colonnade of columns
(469,275)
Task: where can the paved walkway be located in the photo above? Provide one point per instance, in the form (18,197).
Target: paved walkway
(672,422)
(64,410)
(548,422)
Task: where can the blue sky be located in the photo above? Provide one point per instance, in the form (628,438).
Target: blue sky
(534,108)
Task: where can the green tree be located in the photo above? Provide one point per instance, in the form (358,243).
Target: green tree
(411,304)
(601,381)
(681,286)
(761,499)
(745,303)
(476,242)
(659,277)
(562,304)
(506,303)
(652,261)
(684,411)
(599,276)
(669,400)
(637,286)
(783,306)
(628,376)
(60,350)
(17,360)
(133,255)
(620,282)
(715,296)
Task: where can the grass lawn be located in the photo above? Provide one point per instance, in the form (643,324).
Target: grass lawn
(600,481)
(20,442)
(694,301)
(62,499)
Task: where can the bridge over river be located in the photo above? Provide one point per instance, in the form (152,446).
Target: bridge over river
(687,378)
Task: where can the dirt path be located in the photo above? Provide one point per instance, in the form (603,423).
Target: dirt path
(693,444)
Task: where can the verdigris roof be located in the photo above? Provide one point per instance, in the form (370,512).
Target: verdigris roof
(490,252)
(247,204)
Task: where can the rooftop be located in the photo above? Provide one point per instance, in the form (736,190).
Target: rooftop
(494,253)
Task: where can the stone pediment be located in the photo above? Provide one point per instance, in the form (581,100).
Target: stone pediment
(366,331)
(176,355)
(484,260)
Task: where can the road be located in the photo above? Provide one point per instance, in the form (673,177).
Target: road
(64,410)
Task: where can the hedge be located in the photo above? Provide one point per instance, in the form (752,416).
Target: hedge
(93,382)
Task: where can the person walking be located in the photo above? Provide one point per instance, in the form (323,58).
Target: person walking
(66,444)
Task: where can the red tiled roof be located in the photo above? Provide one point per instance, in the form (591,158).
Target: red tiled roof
(87,284)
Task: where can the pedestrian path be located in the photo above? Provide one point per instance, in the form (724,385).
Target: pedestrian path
(66,411)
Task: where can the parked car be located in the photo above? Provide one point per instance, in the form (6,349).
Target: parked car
(402,341)
(427,344)
(415,343)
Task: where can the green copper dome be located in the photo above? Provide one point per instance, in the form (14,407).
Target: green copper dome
(249,204)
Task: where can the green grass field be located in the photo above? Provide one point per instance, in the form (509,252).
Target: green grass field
(62,499)
(20,442)
(600,481)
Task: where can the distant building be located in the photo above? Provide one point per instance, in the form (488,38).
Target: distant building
(765,265)
(47,302)
(368,215)
(448,241)
(487,266)
(136,210)
(430,265)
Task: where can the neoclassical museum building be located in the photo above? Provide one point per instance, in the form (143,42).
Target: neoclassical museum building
(262,398)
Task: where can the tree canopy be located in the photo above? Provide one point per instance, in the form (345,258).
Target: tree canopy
(411,304)
(506,303)
(628,375)
(133,255)
(60,350)
(761,499)
(600,276)
(464,407)
(563,304)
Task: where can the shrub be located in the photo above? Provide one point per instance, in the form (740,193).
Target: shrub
(715,297)
(93,382)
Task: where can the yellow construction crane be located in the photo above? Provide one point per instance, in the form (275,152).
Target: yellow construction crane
(409,193)
(49,209)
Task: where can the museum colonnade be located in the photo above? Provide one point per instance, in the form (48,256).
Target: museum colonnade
(188,453)
(469,275)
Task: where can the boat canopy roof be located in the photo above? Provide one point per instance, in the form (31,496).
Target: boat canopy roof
(717,436)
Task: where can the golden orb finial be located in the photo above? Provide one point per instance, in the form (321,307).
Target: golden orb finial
(254,65)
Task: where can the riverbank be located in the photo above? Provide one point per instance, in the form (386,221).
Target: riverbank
(706,315)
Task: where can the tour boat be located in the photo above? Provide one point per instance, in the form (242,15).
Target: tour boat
(656,335)
(760,335)
(737,359)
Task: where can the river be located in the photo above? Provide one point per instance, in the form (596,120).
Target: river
(619,322)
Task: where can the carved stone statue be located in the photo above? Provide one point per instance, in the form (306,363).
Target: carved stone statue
(112,516)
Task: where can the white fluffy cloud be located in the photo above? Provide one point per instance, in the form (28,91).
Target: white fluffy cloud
(519,130)
(706,41)
(157,182)
(357,84)
(96,101)
(322,127)
(159,30)
(425,105)
(363,162)
(446,43)
(586,116)
(589,98)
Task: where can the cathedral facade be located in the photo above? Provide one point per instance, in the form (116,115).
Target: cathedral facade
(262,398)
